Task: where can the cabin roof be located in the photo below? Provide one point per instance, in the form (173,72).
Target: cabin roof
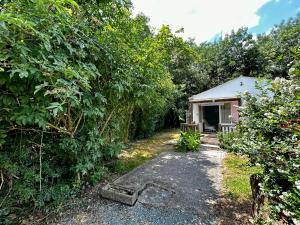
(229,90)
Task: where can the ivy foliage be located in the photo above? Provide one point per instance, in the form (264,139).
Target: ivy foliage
(76,80)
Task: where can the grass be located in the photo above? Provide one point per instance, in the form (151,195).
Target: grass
(236,176)
(143,150)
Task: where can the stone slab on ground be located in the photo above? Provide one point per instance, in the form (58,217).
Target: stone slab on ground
(210,139)
(203,146)
(121,194)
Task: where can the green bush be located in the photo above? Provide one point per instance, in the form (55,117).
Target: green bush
(269,134)
(189,141)
(72,74)
(226,139)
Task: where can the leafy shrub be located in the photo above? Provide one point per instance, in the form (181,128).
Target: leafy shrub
(71,77)
(269,135)
(226,139)
(189,141)
(97,174)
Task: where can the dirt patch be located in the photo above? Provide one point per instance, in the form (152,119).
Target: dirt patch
(233,212)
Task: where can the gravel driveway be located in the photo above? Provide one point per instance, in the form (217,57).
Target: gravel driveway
(182,189)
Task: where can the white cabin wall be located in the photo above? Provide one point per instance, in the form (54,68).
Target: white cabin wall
(196,113)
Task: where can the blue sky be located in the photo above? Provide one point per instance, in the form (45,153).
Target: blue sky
(274,12)
(206,19)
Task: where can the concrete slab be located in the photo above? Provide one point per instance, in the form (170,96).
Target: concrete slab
(210,146)
(210,139)
(120,193)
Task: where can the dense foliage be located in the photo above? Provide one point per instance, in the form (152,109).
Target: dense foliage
(79,78)
(225,139)
(268,133)
(189,141)
(76,81)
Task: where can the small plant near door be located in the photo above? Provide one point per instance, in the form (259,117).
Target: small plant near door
(226,140)
(189,141)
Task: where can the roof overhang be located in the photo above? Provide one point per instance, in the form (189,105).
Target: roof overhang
(214,100)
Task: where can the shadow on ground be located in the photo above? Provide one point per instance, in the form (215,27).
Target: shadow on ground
(233,212)
(184,190)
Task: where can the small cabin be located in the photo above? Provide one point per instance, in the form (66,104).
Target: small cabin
(216,109)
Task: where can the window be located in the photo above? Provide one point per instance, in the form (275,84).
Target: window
(226,113)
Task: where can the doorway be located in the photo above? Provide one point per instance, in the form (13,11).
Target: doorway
(210,118)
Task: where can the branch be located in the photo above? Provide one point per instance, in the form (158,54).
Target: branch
(28,129)
(76,127)
(108,119)
(40,160)
(2,179)
(10,183)
(6,64)
(23,129)
(70,124)
(59,129)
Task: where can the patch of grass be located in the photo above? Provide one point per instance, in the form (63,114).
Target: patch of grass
(143,150)
(236,176)
(125,165)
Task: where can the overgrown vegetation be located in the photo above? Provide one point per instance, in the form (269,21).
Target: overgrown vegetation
(79,78)
(226,139)
(268,133)
(189,141)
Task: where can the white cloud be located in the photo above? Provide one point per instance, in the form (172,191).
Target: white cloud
(201,19)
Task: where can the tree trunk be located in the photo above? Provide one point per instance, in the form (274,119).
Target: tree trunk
(258,197)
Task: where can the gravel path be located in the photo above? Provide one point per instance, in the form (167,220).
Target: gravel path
(183,189)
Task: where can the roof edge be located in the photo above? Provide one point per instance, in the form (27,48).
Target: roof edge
(215,99)
(229,81)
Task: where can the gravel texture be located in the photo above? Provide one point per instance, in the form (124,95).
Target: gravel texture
(182,188)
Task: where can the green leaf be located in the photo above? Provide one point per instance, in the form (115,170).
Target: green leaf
(41,86)
(55,107)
